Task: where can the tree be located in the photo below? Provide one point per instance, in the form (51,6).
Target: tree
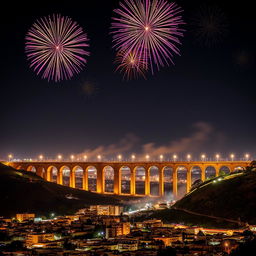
(223,173)
(15,245)
(169,251)
(68,246)
(246,249)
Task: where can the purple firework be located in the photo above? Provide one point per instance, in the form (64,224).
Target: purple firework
(148,28)
(56,47)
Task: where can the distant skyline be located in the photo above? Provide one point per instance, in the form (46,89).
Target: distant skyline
(205,103)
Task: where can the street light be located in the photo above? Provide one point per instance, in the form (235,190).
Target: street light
(147,157)
(119,157)
(72,157)
(161,157)
(85,157)
(189,157)
(133,157)
(99,157)
(175,157)
(41,157)
(227,248)
(247,156)
(10,156)
(232,156)
(59,157)
(217,157)
(203,157)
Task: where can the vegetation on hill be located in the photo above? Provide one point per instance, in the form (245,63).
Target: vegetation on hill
(22,191)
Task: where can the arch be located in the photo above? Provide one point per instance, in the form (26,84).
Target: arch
(92,178)
(108,174)
(125,173)
(182,180)
(210,172)
(154,180)
(224,170)
(52,174)
(78,173)
(31,168)
(65,176)
(140,176)
(196,173)
(43,173)
(168,180)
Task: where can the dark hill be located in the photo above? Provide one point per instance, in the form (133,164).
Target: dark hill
(231,199)
(22,191)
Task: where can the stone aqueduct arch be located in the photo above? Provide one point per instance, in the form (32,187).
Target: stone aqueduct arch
(45,169)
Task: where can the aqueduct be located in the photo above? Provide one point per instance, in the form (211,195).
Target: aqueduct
(129,172)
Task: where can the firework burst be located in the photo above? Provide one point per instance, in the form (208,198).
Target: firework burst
(209,25)
(56,47)
(89,89)
(131,65)
(150,29)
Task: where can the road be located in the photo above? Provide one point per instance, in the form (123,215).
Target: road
(210,216)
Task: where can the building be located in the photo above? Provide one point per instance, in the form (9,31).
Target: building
(25,216)
(107,221)
(149,224)
(111,210)
(33,239)
(118,229)
(128,245)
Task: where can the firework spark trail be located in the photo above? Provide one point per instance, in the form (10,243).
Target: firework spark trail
(148,28)
(56,47)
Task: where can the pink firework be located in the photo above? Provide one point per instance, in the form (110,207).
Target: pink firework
(130,65)
(56,47)
(149,28)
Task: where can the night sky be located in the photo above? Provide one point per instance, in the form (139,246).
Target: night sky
(204,104)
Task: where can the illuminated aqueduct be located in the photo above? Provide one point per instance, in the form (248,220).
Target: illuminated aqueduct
(130,172)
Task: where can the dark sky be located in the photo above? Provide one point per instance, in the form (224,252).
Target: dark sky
(205,103)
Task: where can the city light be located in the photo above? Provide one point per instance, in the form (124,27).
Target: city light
(147,157)
(10,156)
(41,157)
(119,157)
(226,243)
(161,157)
(175,157)
(59,157)
(217,157)
(72,157)
(203,157)
(232,156)
(247,156)
(99,157)
(188,157)
(85,157)
(133,157)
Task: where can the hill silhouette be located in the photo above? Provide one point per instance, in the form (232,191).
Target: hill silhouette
(223,201)
(22,191)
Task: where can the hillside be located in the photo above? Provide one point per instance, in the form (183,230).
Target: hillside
(220,201)
(22,191)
